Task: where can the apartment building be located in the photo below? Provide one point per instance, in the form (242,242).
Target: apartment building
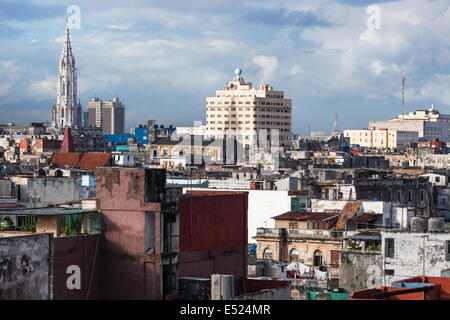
(381,138)
(108,115)
(243,111)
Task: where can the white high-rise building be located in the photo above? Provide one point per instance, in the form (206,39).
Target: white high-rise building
(244,111)
(66,112)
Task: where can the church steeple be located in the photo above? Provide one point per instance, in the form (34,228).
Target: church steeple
(66,112)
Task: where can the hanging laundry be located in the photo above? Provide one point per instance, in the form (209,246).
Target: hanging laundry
(320,275)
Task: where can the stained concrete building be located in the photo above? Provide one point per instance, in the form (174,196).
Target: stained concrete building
(108,115)
(244,111)
(407,253)
(152,235)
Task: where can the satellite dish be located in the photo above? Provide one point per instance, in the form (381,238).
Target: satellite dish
(238,71)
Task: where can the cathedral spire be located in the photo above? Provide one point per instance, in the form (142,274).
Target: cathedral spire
(66,112)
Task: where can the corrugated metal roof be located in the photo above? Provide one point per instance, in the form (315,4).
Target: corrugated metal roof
(304,216)
(44,211)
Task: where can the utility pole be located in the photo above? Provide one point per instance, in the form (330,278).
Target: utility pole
(423,266)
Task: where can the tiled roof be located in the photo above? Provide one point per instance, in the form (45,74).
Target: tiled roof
(84,161)
(304,216)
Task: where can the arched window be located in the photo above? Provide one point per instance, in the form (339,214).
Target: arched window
(293,255)
(317,258)
(267,253)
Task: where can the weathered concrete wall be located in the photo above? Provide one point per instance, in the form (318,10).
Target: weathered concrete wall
(49,190)
(25,267)
(360,270)
(439,161)
(269,294)
(48,224)
(408,254)
(5,188)
(265,290)
(127,272)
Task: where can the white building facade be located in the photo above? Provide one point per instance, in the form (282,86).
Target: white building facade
(381,138)
(243,111)
(430,124)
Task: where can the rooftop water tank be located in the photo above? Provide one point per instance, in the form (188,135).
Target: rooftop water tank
(418,224)
(436,224)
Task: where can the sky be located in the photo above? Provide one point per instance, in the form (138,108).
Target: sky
(163,58)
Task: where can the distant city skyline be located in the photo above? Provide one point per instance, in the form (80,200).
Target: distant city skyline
(163,58)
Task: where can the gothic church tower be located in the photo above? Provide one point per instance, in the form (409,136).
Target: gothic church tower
(66,112)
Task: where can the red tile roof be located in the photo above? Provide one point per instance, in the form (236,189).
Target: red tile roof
(84,161)
(304,216)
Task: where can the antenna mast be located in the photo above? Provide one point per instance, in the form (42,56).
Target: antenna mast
(403,96)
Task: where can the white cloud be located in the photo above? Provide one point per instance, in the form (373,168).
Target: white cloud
(268,66)
(296,70)
(42,89)
(377,67)
(222,45)
(118,27)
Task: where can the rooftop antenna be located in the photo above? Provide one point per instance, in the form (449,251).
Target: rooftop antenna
(403,96)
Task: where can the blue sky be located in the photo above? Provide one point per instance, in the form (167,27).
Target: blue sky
(163,58)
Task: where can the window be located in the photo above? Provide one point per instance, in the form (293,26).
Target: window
(389,247)
(293,255)
(267,253)
(149,232)
(389,272)
(293,225)
(71,224)
(93,223)
(317,258)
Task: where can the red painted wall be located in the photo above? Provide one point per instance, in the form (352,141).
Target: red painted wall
(213,235)
(127,272)
(216,222)
(79,251)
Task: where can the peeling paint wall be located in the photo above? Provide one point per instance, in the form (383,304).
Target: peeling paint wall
(408,254)
(359,270)
(25,267)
